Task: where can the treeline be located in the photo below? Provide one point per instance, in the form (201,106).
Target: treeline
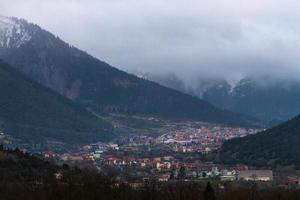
(83,186)
(278,146)
(17,166)
(26,177)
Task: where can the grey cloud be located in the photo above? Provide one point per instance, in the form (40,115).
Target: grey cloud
(192,39)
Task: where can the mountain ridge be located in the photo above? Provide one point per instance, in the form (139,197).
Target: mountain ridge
(271,100)
(96,85)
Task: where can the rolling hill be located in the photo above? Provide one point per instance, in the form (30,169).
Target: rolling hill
(276,146)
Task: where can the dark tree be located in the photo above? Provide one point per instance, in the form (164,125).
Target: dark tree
(209,193)
(181,173)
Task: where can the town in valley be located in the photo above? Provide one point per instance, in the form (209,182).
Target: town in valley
(179,151)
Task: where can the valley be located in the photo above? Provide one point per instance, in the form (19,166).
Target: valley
(73,126)
(161,149)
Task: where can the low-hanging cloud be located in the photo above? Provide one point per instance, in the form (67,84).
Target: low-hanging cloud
(191,39)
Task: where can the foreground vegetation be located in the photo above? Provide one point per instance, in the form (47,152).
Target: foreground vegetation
(86,185)
(23,176)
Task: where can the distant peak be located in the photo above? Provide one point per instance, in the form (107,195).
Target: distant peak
(13,33)
(8,21)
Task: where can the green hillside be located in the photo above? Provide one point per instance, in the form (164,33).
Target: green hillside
(276,146)
(34,113)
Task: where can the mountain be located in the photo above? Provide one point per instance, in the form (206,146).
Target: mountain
(276,146)
(268,99)
(33,113)
(94,84)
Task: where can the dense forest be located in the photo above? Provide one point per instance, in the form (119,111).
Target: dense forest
(24,176)
(275,146)
(31,112)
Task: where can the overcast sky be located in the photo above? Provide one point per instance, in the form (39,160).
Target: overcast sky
(191,38)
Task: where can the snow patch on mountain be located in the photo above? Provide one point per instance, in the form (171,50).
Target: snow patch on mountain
(233,83)
(13,32)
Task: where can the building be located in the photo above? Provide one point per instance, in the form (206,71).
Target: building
(227,175)
(113,146)
(255,175)
(164,177)
(227,178)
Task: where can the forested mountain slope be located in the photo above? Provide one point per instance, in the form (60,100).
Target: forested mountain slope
(32,112)
(276,146)
(95,84)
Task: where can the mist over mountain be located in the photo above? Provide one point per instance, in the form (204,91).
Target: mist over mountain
(196,40)
(199,43)
(160,99)
(95,84)
(272,100)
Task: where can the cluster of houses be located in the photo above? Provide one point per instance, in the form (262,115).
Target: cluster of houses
(191,140)
(247,175)
(203,140)
(166,167)
(163,168)
(223,175)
